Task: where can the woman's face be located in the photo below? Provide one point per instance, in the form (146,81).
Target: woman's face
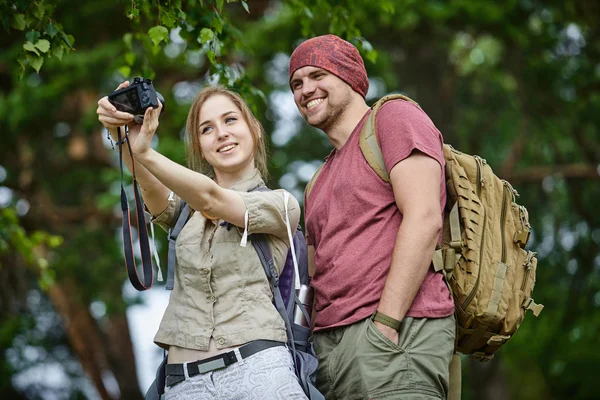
(225,139)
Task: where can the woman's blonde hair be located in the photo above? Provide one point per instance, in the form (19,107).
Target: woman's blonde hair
(195,160)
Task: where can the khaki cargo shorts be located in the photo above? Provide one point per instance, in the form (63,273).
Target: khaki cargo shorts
(358,362)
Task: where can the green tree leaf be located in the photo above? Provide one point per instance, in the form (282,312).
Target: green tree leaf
(38,10)
(51,30)
(18,22)
(206,35)
(168,19)
(245,5)
(135,14)
(36,63)
(30,47)
(68,42)
(130,58)
(211,56)
(58,51)
(217,23)
(125,71)
(32,36)
(158,34)
(43,45)
(127,38)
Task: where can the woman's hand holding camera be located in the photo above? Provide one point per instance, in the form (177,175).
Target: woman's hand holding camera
(139,136)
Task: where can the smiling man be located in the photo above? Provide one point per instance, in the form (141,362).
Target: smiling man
(384,325)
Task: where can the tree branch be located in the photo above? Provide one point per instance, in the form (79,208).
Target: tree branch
(568,171)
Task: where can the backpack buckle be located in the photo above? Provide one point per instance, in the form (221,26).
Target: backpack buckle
(497,340)
(521,238)
(535,308)
(456,244)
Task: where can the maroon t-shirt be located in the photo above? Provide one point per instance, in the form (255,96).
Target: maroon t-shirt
(352,221)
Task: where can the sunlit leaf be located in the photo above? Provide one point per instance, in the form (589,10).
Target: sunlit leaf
(130,58)
(43,45)
(168,19)
(206,35)
(125,71)
(55,241)
(211,56)
(158,34)
(135,13)
(217,23)
(127,38)
(30,47)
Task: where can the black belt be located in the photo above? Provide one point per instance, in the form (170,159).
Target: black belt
(175,372)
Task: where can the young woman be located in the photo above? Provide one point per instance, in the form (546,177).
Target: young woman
(225,338)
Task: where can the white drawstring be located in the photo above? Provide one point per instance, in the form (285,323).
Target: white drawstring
(159,276)
(286,196)
(245,235)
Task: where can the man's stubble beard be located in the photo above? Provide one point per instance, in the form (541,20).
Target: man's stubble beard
(334,114)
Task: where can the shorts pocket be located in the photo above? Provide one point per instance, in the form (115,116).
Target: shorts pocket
(378,365)
(375,336)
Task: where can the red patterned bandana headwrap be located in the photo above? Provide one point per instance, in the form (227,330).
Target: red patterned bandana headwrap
(335,55)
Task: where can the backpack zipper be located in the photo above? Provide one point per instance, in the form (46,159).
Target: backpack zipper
(507,188)
(502,222)
(527,264)
(476,285)
(480,183)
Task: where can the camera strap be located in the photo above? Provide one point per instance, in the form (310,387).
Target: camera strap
(142,230)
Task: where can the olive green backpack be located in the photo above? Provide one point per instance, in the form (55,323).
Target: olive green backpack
(482,255)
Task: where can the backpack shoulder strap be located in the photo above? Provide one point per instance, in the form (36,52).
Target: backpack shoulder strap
(368,138)
(261,245)
(184,214)
(311,183)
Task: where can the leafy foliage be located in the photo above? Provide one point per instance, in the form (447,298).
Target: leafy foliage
(44,37)
(516,82)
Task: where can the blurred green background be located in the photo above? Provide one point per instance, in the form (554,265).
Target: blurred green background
(516,82)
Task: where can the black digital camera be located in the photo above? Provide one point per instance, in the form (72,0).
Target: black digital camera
(136,98)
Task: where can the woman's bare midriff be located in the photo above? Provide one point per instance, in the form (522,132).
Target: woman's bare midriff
(179,355)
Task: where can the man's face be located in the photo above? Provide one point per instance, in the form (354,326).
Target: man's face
(320,96)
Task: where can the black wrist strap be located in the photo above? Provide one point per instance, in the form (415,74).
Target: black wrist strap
(141,222)
(387,320)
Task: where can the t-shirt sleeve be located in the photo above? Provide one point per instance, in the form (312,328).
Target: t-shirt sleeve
(267,214)
(403,127)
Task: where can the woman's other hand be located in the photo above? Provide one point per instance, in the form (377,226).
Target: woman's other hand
(140,144)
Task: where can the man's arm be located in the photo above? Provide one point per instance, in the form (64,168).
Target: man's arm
(416,184)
